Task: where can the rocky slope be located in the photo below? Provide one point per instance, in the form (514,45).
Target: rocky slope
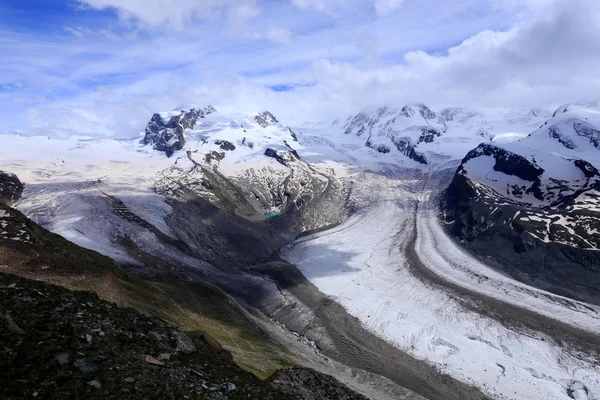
(11,188)
(533,205)
(30,251)
(165,130)
(60,344)
(94,347)
(245,172)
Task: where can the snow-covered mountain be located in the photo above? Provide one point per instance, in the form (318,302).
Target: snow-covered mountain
(422,135)
(249,165)
(97,192)
(165,130)
(223,197)
(540,195)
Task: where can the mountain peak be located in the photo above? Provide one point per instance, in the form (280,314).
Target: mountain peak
(410,110)
(407,111)
(265,119)
(165,129)
(562,109)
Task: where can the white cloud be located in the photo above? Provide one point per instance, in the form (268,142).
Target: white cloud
(518,53)
(319,5)
(176,14)
(279,35)
(331,7)
(368,42)
(544,61)
(242,12)
(386,7)
(77,32)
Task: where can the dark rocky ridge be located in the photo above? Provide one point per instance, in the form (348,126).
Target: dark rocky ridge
(509,163)
(265,119)
(509,231)
(11,188)
(168,137)
(428,134)
(506,162)
(405,146)
(225,145)
(282,157)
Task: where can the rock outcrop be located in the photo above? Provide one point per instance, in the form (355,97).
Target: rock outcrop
(534,206)
(265,119)
(165,131)
(11,188)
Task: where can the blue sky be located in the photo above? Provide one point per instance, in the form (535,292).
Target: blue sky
(102,67)
(48,17)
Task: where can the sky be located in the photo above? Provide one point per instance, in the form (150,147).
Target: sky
(103,67)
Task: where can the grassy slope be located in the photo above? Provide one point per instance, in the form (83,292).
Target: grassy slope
(191,306)
(70,344)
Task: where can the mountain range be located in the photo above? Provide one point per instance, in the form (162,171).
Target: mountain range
(421,253)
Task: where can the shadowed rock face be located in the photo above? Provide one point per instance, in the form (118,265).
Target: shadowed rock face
(228,220)
(11,188)
(282,157)
(405,146)
(550,243)
(168,136)
(266,119)
(225,145)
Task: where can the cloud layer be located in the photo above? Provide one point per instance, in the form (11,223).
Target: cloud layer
(175,14)
(332,57)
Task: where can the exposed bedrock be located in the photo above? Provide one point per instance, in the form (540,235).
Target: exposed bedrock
(11,188)
(166,133)
(529,243)
(235,220)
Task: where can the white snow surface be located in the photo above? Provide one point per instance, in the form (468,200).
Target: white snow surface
(572,133)
(541,142)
